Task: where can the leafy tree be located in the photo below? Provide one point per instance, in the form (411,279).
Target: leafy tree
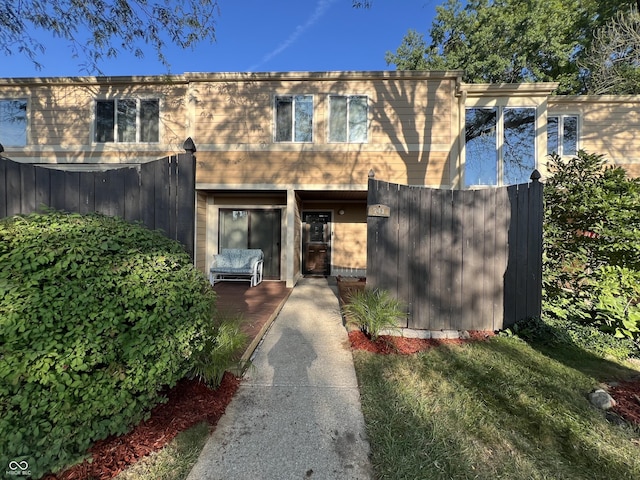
(98,29)
(592,244)
(613,61)
(509,40)
(410,54)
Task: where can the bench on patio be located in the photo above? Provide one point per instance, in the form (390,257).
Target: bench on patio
(237,264)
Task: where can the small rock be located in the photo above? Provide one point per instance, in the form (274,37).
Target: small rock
(615,419)
(464,335)
(601,399)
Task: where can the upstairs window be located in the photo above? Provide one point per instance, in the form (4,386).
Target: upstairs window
(13,122)
(562,135)
(348,118)
(127,121)
(294,118)
(500,145)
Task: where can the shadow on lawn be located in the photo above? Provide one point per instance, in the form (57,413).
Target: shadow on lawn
(555,342)
(512,410)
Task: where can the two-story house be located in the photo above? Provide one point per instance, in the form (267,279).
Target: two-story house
(283,159)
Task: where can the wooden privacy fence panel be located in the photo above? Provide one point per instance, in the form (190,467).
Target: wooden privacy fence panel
(159,194)
(458,259)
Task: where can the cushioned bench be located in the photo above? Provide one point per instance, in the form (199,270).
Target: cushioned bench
(236,264)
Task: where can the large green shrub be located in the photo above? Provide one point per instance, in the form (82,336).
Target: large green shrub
(97,316)
(592,245)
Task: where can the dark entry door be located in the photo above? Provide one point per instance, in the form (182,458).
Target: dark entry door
(316,243)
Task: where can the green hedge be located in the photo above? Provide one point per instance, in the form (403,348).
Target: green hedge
(97,316)
(592,245)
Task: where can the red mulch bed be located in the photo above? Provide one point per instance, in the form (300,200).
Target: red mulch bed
(189,402)
(627,397)
(406,346)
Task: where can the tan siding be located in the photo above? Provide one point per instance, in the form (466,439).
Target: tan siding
(349,244)
(201,232)
(61,117)
(402,115)
(314,168)
(609,126)
(297,240)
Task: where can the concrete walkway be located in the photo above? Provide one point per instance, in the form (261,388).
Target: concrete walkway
(297,413)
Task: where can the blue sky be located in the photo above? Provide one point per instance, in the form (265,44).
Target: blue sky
(259,35)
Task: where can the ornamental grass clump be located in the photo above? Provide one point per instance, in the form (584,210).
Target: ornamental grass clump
(374,311)
(97,317)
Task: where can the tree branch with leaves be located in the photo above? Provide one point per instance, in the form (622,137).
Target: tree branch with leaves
(99,29)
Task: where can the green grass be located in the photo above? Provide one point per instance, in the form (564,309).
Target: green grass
(491,410)
(173,462)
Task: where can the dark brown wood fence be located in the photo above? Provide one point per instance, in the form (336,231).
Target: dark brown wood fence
(160,194)
(458,259)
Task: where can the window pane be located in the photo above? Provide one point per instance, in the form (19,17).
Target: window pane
(519,149)
(481,165)
(234,229)
(552,135)
(126,120)
(284,106)
(149,120)
(358,119)
(570,136)
(338,119)
(104,121)
(13,123)
(304,118)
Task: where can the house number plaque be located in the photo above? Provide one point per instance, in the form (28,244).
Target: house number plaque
(378,211)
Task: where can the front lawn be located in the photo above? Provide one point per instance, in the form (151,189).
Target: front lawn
(493,409)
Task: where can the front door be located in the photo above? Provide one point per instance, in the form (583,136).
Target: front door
(316,243)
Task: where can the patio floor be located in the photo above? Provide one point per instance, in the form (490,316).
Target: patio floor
(258,306)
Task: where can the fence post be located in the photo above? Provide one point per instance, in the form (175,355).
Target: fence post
(536,219)
(186,197)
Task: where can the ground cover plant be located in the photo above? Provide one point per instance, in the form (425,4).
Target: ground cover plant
(98,318)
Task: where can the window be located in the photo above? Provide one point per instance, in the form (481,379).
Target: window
(127,121)
(348,118)
(562,135)
(13,122)
(294,118)
(500,145)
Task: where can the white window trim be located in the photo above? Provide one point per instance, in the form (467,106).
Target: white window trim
(560,117)
(348,113)
(138,99)
(27,125)
(293,118)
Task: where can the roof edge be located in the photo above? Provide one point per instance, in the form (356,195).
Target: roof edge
(236,76)
(324,75)
(508,89)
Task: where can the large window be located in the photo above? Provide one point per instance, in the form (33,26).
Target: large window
(13,122)
(500,145)
(127,121)
(348,118)
(562,135)
(294,118)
